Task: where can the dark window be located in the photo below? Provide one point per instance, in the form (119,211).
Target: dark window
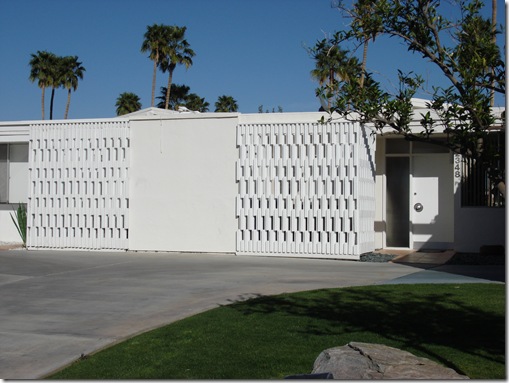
(477,188)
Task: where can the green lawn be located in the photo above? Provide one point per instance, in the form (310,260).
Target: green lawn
(459,326)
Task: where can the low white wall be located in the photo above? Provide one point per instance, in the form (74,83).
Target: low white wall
(14,132)
(8,232)
(478,226)
(182,183)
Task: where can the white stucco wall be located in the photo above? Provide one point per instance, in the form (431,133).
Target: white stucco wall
(182,183)
(18,192)
(8,232)
(478,226)
(14,132)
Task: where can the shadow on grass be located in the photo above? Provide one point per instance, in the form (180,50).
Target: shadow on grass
(417,318)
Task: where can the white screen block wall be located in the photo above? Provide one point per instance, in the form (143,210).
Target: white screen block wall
(78,185)
(305,189)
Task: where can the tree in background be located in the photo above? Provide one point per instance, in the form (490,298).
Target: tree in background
(56,79)
(41,65)
(72,73)
(196,103)
(55,71)
(176,52)
(366,25)
(470,61)
(180,96)
(226,104)
(279,109)
(127,102)
(494,40)
(331,66)
(156,43)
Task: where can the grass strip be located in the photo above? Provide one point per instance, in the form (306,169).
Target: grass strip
(460,326)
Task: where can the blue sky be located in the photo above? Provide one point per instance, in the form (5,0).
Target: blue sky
(251,50)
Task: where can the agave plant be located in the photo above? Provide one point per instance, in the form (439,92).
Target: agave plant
(20,221)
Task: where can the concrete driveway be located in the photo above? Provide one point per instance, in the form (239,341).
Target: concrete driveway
(57,305)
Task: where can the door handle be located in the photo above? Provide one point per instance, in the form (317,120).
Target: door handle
(418,207)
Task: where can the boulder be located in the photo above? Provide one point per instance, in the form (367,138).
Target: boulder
(375,361)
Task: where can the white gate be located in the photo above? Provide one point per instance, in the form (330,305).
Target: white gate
(305,189)
(78,185)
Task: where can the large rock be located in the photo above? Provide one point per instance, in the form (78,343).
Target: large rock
(375,361)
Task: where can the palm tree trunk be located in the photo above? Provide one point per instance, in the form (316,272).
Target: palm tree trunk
(364,61)
(154,81)
(331,84)
(168,90)
(42,101)
(51,104)
(67,104)
(494,39)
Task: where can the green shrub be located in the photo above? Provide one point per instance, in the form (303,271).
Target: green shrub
(20,221)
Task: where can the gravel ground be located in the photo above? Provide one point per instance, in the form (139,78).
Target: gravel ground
(376,257)
(457,259)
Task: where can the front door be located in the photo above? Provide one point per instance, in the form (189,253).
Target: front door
(432,201)
(398,201)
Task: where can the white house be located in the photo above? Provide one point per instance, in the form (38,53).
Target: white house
(279,184)
(425,200)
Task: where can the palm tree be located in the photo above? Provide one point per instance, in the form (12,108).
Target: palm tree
(368,26)
(56,79)
(197,103)
(41,66)
(72,72)
(178,96)
(329,60)
(226,104)
(494,40)
(127,103)
(155,42)
(331,65)
(177,52)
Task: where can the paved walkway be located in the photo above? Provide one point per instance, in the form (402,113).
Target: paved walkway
(58,305)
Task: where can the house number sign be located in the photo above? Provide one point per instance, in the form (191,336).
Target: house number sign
(457,166)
